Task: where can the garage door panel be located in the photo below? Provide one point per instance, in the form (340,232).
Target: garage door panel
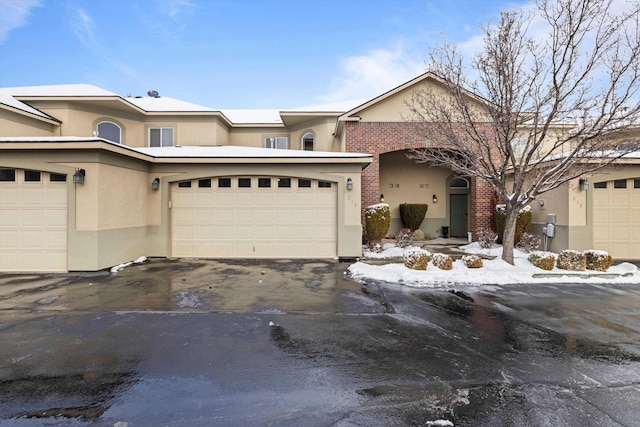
(9,196)
(257,222)
(616,223)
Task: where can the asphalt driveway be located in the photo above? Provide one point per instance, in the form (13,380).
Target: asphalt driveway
(297,343)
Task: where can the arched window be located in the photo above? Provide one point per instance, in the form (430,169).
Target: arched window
(307,141)
(459,183)
(109,131)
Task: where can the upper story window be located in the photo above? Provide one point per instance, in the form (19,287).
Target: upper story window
(519,145)
(160,137)
(110,131)
(279,142)
(307,141)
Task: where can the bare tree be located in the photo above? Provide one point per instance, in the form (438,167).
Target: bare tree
(549,91)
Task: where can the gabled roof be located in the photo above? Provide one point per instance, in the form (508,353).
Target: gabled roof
(10,103)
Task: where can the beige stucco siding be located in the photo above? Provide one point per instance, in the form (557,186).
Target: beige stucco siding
(15,124)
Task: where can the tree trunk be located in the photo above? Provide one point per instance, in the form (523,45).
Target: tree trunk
(508,239)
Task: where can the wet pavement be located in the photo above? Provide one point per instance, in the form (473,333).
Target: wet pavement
(297,343)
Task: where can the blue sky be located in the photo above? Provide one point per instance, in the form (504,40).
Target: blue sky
(228,54)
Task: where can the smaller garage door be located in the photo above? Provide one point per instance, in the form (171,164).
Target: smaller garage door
(616,217)
(254,217)
(33,221)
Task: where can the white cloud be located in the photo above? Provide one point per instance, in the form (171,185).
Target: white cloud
(13,14)
(372,74)
(175,8)
(83,27)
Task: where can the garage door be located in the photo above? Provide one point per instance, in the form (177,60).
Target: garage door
(616,217)
(254,217)
(33,221)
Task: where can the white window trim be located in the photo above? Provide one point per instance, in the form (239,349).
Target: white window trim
(313,137)
(276,140)
(113,123)
(161,128)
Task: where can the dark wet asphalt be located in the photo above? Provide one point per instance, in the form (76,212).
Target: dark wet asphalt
(290,343)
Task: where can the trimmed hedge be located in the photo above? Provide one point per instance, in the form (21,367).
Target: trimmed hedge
(377,220)
(442,261)
(416,259)
(472,261)
(543,260)
(598,260)
(572,260)
(412,214)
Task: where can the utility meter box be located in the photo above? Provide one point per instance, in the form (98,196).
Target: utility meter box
(551,219)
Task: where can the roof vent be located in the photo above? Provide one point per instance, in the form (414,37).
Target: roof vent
(153,94)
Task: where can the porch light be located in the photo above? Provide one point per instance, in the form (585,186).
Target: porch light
(349,184)
(155,184)
(381,198)
(78,176)
(434,199)
(584,184)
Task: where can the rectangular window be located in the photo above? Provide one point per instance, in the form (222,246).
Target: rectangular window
(620,183)
(284,182)
(204,183)
(518,145)
(279,142)
(32,176)
(224,182)
(7,174)
(304,183)
(264,182)
(636,182)
(324,184)
(600,184)
(57,177)
(160,137)
(244,182)
(184,184)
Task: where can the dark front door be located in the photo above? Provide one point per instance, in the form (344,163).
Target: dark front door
(458,205)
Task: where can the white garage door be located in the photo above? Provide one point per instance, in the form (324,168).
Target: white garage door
(33,221)
(254,217)
(616,217)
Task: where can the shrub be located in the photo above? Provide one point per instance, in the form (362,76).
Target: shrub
(529,242)
(412,214)
(543,260)
(377,220)
(472,261)
(523,223)
(486,238)
(572,260)
(442,261)
(598,260)
(404,238)
(418,235)
(416,259)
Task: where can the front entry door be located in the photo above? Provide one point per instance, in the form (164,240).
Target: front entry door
(458,211)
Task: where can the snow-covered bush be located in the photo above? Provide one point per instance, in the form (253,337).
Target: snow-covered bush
(472,261)
(418,235)
(598,260)
(377,220)
(572,260)
(486,238)
(529,242)
(442,261)
(523,223)
(404,238)
(416,259)
(543,260)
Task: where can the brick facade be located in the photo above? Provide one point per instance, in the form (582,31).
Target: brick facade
(377,138)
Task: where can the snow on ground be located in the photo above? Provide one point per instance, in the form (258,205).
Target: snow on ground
(119,267)
(493,272)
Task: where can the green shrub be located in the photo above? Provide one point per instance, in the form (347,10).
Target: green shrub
(572,260)
(543,260)
(442,261)
(416,259)
(523,223)
(472,261)
(598,260)
(377,221)
(412,214)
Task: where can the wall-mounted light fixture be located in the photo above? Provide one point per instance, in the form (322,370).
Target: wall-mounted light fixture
(349,184)
(541,203)
(78,176)
(434,199)
(381,198)
(155,184)
(584,184)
